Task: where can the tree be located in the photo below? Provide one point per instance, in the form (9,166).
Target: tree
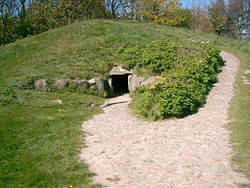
(7,20)
(199,17)
(22,26)
(48,14)
(217,16)
(165,12)
(113,7)
(129,9)
(238,19)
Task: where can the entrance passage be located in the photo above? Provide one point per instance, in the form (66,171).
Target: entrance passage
(120,83)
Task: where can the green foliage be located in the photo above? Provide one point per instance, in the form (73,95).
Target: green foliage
(185,81)
(157,56)
(131,56)
(143,100)
(180,97)
(162,12)
(19,18)
(45,15)
(217,16)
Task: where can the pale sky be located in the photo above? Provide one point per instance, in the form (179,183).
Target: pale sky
(188,3)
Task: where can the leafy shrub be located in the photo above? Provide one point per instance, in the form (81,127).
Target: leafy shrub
(131,56)
(180,97)
(188,73)
(157,56)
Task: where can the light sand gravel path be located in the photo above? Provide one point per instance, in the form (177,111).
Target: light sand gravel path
(192,152)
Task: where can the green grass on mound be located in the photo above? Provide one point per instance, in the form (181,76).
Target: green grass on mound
(40,140)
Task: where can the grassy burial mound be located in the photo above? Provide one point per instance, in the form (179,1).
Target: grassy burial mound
(40,137)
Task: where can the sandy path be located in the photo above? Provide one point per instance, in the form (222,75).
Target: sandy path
(191,152)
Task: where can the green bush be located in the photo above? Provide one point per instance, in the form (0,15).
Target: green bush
(157,56)
(188,73)
(131,55)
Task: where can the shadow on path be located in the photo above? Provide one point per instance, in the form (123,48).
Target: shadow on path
(110,104)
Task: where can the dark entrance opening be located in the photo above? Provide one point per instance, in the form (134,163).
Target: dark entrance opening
(120,83)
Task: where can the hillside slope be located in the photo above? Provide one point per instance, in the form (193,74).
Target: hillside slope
(82,50)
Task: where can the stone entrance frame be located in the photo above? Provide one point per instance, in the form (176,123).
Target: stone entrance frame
(119,80)
(127,81)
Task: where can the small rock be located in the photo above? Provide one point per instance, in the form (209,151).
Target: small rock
(90,105)
(205,42)
(40,84)
(61,84)
(58,101)
(246,82)
(92,81)
(47,90)
(84,84)
(247,71)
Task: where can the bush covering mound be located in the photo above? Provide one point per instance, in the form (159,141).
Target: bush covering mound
(188,71)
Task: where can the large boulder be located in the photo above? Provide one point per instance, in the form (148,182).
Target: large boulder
(92,84)
(102,84)
(84,84)
(40,84)
(149,81)
(61,84)
(134,81)
(73,83)
(98,84)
